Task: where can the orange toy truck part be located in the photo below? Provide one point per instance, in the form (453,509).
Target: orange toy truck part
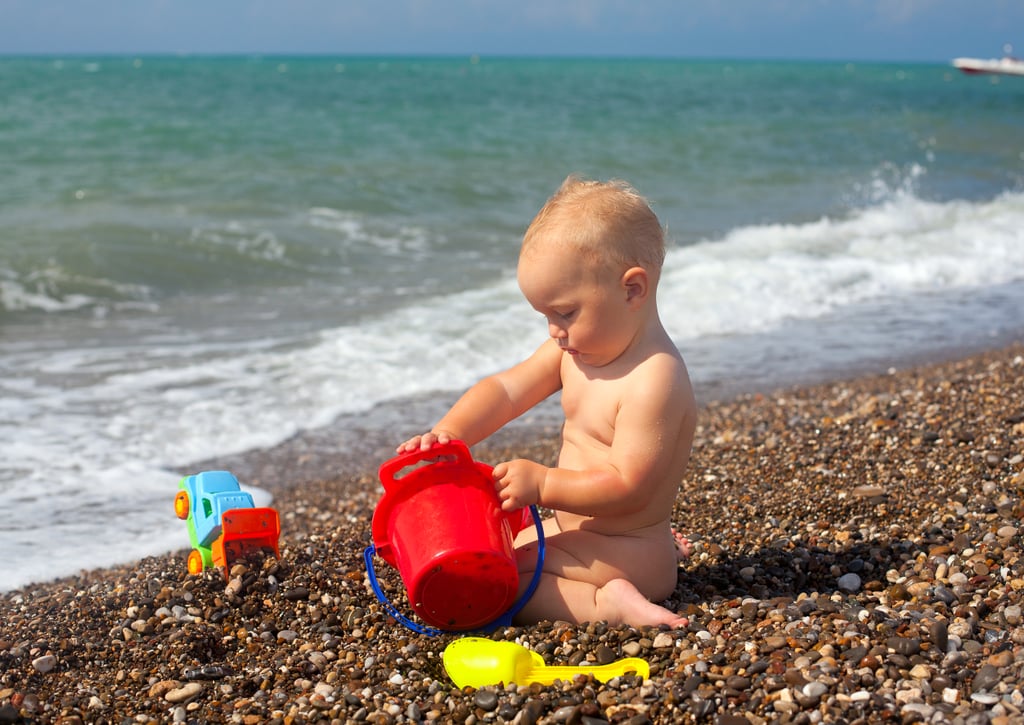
(246,530)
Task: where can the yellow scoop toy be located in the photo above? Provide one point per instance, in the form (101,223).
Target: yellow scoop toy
(475,662)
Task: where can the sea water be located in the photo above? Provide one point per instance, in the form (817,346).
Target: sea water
(205,256)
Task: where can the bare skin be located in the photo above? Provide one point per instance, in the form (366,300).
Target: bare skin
(630,416)
(683,546)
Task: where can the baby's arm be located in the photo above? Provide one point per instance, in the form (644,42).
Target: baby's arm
(496,400)
(652,431)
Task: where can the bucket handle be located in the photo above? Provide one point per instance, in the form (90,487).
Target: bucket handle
(453,449)
(504,620)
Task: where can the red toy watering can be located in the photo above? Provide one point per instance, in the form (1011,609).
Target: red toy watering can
(440,524)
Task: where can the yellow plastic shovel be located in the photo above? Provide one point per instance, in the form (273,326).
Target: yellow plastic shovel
(475,662)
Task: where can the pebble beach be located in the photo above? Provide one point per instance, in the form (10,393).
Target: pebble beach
(857,559)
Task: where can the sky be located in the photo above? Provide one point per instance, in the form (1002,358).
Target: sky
(893,30)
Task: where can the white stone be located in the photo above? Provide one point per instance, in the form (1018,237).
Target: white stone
(323,689)
(44,664)
(921,708)
(184,693)
(663,640)
(814,689)
(1012,614)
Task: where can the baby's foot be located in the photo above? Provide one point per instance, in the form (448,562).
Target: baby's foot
(635,609)
(684,547)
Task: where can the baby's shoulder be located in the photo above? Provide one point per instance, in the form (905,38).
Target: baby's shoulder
(661,374)
(662,362)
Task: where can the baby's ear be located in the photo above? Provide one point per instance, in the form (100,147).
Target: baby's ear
(636,283)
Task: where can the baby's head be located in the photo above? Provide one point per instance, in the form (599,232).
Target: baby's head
(608,224)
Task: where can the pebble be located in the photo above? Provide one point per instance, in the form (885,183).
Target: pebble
(921,672)
(1006,532)
(663,640)
(1012,614)
(938,633)
(875,568)
(985,678)
(184,693)
(44,664)
(849,582)
(486,700)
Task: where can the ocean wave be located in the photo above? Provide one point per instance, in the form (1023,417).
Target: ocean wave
(756,277)
(127,262)
(55,289)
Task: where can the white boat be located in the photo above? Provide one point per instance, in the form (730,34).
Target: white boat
(1007,65)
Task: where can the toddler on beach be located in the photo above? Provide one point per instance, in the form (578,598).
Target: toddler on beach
(590,263)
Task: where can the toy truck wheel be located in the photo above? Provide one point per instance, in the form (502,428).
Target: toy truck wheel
(195,562)
(181,505)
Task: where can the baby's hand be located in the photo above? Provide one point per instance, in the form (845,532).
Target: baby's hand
(518,483)
(424,442)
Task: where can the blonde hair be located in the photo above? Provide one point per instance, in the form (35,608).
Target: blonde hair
(606,222)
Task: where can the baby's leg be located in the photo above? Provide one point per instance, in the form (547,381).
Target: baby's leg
(580,583)
(617,602)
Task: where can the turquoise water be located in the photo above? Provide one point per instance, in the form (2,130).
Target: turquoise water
(201,256)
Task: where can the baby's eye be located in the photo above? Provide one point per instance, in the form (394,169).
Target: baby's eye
(560,316)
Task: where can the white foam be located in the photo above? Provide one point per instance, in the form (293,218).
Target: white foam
(757,277)
(356,231)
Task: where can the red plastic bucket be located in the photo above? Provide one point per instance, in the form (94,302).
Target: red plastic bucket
(440,524)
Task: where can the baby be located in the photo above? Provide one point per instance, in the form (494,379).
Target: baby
(590,263)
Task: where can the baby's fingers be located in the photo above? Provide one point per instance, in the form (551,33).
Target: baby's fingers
(510,504)
(410,445)
(422,442)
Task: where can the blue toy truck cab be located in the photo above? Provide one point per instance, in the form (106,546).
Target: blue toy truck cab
(223,523)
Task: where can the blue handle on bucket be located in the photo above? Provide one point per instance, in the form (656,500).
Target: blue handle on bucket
(504,620)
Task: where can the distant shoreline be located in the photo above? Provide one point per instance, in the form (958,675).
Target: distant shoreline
(460,57)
